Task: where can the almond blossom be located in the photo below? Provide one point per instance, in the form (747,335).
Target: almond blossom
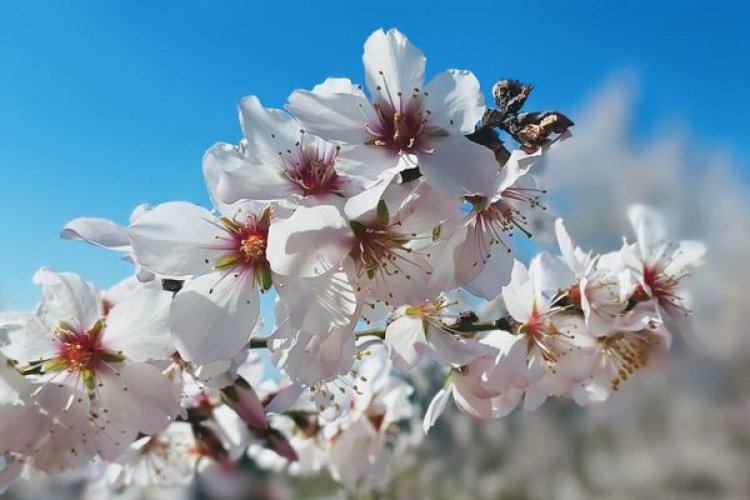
(404,119)
(659,266)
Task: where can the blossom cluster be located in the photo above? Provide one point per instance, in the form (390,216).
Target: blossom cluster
(362,213)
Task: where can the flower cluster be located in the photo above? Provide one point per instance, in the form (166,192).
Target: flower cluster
(362,213)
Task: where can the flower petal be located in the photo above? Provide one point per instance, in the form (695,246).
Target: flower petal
(139,326)
(458,166)
(334,116)
(213,316)
(312,242)
(455,102)
(100,232)
(139,395)
(241,178)
(178,239)
(393,66)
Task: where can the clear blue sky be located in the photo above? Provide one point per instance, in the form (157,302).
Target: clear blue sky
(105,105)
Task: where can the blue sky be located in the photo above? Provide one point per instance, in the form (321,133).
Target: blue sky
(105,105)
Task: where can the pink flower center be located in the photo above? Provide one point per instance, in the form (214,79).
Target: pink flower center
(402,127)
(312,167)
(80,350)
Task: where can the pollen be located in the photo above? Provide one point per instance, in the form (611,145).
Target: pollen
(253,248)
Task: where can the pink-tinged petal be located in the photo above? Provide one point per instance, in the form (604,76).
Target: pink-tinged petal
(319,303)
(405,341)
(178,239)
(449,349)
(334,116)
(285,398)
(268,131)
(67,297)
(312,242)
(243,399)
(458,167)
(436,408)
(138,326)
(455,101)
(241,178)
(649,229)
(100,232)
(138,395)
(213,315)
(534,398)
(393,66)
(470,402)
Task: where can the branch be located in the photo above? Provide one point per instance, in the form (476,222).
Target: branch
(461,327)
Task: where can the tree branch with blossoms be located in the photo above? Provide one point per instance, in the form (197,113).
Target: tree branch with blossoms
(363,211)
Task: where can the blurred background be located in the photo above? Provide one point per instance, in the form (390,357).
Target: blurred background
(105,106)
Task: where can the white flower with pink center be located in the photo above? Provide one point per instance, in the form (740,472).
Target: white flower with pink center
(277,160)
(384,239)
(84,364)
(659,266)
(478,255)
(403,119)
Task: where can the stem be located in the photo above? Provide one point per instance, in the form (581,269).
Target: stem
(480,326)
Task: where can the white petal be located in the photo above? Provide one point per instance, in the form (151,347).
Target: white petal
(241,178)
(139,395)
(363,206)
(139,326)
(493,275)
(213,316)
(368,161)
(335,117)
(67,297)
(405,341)
(649,228)
(310,243)
(688,256)
(30,342)
(99,232)
(448,349)
(319,303)
(177,238)
(458,166)
(268,131)
(455,101)
(393,65)
(436,408)
(519,293)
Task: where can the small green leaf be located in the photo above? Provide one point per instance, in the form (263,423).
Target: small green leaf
(383,216)
(229,260)
(264,278)
(88,379)
(112,357)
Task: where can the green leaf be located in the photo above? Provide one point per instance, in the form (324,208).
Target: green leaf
(383,216)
